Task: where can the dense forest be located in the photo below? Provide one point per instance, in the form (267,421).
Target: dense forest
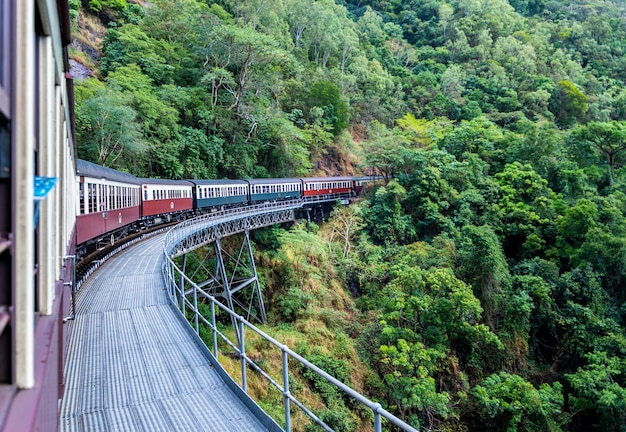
(483,286)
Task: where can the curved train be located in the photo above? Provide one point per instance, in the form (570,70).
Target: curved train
(53,205)
(112,204)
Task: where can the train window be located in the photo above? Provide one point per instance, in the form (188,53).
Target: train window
(81,198)
(91,188)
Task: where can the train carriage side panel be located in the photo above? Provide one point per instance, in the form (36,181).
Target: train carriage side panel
(215,193)
(108,200)
(327,186)
(163,197)
(274,189)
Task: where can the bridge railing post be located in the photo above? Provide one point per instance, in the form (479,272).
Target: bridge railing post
(286,393)
(242,354)
(214,328)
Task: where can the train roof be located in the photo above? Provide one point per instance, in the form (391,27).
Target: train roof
(326,179)
(89,169)
(151,181)
(219,182)
(273,181)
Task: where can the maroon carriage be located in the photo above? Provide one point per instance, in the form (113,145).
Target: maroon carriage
(165,200)
(325,188)
(108,204)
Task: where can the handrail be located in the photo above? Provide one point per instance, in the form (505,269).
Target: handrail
(177,294)
(71,283)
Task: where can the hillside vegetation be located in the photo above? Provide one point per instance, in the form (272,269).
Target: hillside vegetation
(483,287)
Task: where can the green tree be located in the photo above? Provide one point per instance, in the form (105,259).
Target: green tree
(388,224)
(327,96)
(106,125)
(510,403)
(599,391)
(607,139)
(568,104)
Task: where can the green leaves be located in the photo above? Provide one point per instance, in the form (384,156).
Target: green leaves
(509,399)
(607,139)
(600,388)
(106,123)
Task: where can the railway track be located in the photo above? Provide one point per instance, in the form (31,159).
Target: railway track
(85,266)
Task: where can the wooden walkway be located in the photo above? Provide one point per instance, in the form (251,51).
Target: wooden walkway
(131,363)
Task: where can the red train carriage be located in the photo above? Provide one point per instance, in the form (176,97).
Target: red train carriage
(327,187)
(165,200)
(108,204)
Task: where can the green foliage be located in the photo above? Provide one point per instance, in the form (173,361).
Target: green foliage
(600,389)
(387,221)
(338,420)
(338,368)
(327,96)
(607,139)
(98,5)
(106,123)
(74,6)
(294,303)
(568,103)
(510,403)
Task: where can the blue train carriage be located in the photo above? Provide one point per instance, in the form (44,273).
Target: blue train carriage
(208,194)
(274,189)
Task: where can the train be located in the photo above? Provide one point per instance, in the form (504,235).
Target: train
(112,204)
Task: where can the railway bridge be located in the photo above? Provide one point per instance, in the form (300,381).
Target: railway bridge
(136,360)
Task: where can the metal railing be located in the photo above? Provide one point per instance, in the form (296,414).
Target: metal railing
(186,294)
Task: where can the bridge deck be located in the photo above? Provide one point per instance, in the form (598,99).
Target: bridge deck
(131,364)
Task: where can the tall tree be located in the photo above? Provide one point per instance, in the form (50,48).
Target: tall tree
(608,139)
